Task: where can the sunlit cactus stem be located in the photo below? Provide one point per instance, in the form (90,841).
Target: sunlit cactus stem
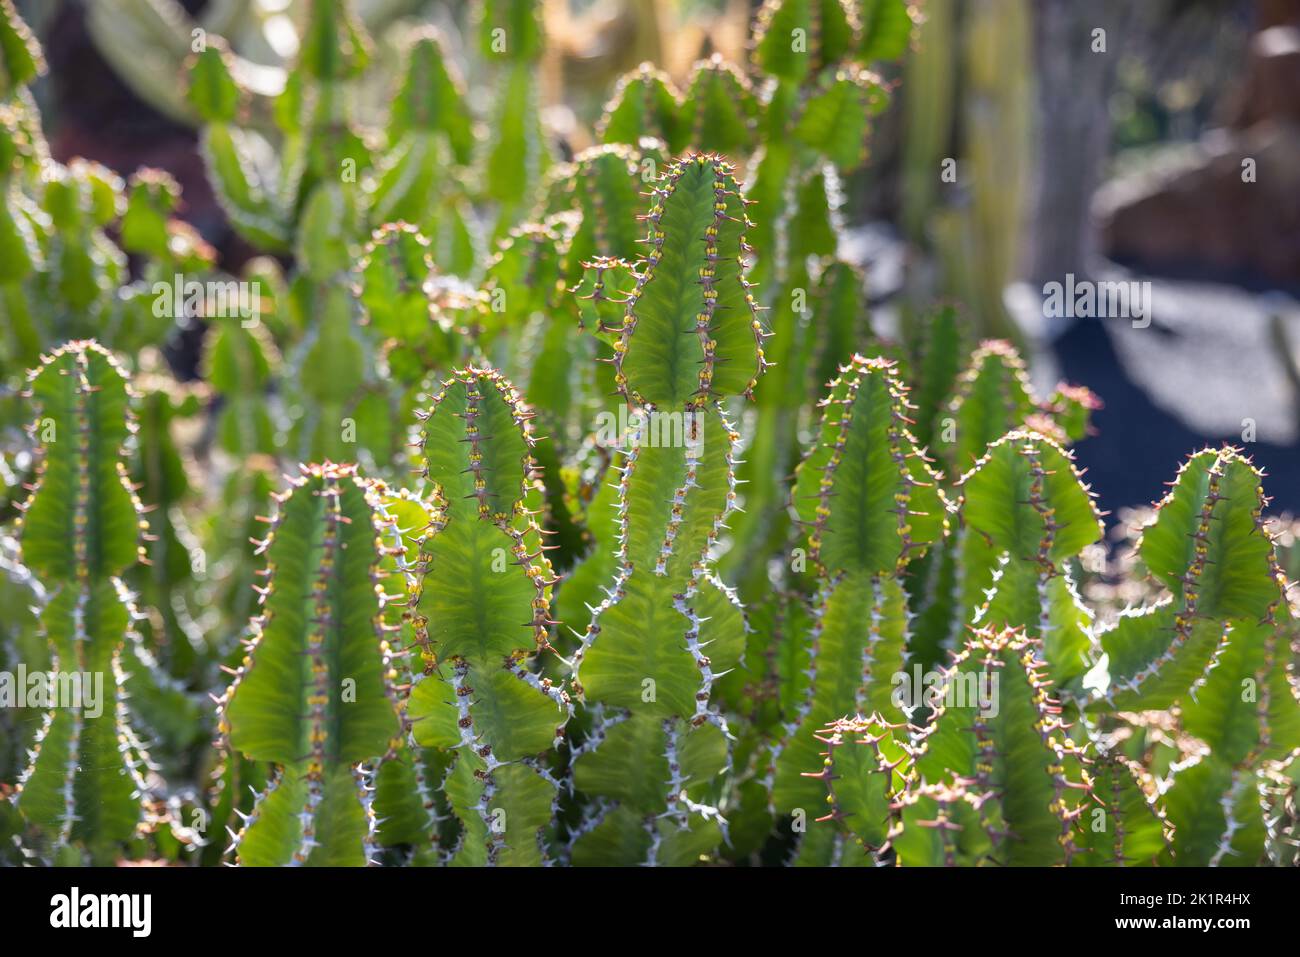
(688,337)
(870,504)
(1026,516)
(1215,648)
(482,615)
(80,530)
(314,694)
(999,736)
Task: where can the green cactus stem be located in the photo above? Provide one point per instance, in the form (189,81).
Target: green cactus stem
(992,398)
(1216,648)
(645,103)
(689,335)
(605,185)
(1127,826)
(430,134)
(864,771)
(1025,514)
(886,28)
(517,153)
(314,693)
(482,612)
(1209,548)
(870,504)
(719,109)
(1008,745)
(80,530)
(795,38)
(988,401)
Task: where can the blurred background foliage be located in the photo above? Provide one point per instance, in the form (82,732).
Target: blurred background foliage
(1103,139)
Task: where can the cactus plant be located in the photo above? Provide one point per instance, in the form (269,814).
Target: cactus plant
(1212,645)
(681,344)
(1026,513)
(870,503)
(641,532)
(480,692)
(313,694)
(80,531)
(996,778)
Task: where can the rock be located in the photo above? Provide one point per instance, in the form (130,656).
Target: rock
(1230,207)
(1271,13)
(1271,88)
(1199,213)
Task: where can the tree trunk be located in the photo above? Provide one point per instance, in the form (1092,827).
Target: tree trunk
(1073,128)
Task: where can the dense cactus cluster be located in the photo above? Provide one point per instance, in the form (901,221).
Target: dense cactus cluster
(612,534)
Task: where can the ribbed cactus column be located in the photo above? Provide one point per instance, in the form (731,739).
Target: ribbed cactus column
(1209,548)
(483,604)
(796,38)
(605,185)
(60,274)
(1216,649)
(992,398)
(719,110)
(511,37)
(430,133)
(997,780)
(864,776)
(1002,752)
(668,628)
(313,695)
(818,111)
(1026,514)
(80,529)
(644,103)
(1126,826)
(871,504)
(989,400)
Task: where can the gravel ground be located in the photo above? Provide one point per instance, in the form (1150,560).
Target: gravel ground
(1207,363)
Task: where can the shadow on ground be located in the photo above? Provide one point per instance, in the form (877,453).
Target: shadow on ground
(1139,445)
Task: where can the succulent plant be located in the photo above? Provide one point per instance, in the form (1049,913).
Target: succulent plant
(870,504)
(636,535)
(482,613)
(995,778)
(689,336)
(1217,646)
(313,695)
(80,531)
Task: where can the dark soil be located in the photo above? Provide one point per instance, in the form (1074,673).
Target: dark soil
(1139,445)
